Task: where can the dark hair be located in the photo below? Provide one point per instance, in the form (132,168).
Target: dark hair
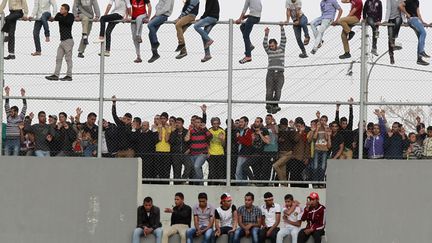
(180,195)
(244,118)
(420,126)
(63,114)
(334,123)
(411,133)
(179,119)
(283,121)
(398,124)
(267,195)
(14,108)
(164,114)
(137,119)
(199,118)
(91,114)
(343,119)
(250,194)
(202,195)
(288,197)
(66,6)
(273,41)
(325,117)
(237,120)
(41,113)
(260,119)
(429,128)
(194,116)
(315,121)
(148,200)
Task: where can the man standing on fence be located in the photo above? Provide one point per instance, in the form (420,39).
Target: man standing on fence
(66,21)
(17,9)
(164,9)
(41,12)
(412,12)
(275,71)
(353,17)
(254,17)
(87,11)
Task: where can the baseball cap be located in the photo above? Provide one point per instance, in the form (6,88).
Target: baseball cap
(53,117)
(226,197)
(313,196)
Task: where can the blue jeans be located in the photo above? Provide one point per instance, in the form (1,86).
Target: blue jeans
(246,29)
(37,28)
(208,235)
(88,151)
(297,31)
(239,173)
(197,162)
(239,233)
(138,232)
(12,146)
(319,165)
(203,27)
(41,153)
(418,27)
(153,27)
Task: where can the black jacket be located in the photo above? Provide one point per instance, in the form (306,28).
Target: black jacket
(65,138)
(111,138)
(182,215)
(150,221)
(144,143)
(123,132)
(211,9)
(177,141)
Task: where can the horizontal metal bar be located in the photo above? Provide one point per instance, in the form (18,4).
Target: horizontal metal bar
(50,98)
(400,103)
(233,181)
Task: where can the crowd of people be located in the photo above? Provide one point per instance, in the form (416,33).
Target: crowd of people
(137,12)
(269,221)
(296,151)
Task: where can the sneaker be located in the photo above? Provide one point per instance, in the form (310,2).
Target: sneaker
(397,46)
(85,41)
(9,57)
(106,53)
(206,58)
(47,39)
(306,41)
(252,47)
(351,35)
(314,51)
(422,62)
(179,48)
(36,53)
(392,60)
(423,54)
(139,39)
(153,58)
(374,51)
(98,40)
(376,34)
(269,107)
(66,78)
(275,109)
(303,55)
(80,55)
(138,60)
(52,77)
(208,44)
(245,60)
(320,44)
(182,54)
(345,55)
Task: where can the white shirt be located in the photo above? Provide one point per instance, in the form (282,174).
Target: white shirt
(120,6)
(270,214)
(293,7)
(226,216)
(294,217)
(42,6)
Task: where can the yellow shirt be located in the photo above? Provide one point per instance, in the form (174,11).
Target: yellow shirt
(216,146)
(164,146)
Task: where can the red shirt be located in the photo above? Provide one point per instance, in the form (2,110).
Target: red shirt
(139,7)
(315,217)
(357,4)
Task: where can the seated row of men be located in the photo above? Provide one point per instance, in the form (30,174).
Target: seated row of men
(268,221)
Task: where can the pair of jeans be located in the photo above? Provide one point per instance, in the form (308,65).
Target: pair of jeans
(283,232)
(10,27)
(12,146)
(136,29)
(239,233)
(297,31)
(64,50)
(37,28)
(319,26)
(418,27)
(139,232)
(203,27)
(41,153)
(197,162)
(319,165)
(316,235)
(208,235)
(371,22)
(240,174)
(246,29)
(275,80)
(103,20)
(88,151)
(225,230)
(153,27)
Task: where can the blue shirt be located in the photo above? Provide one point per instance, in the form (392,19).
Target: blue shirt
(329,8)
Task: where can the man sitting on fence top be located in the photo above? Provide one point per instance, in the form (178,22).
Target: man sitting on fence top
(353,17)
(314,215)
(148,222)
(181,215)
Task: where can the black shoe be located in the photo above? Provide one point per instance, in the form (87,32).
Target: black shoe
(6,38)
(275,109)
(182,54)
(423,54)
(345,55)
(9,57)
(351,35)
(85,41)
(52,77)
(392,61)
(420,61)
(80,55)
(179,48)
(153,58)
(66,78)
(303,55)
(252,47)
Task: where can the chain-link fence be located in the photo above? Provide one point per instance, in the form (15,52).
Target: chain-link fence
(160,117)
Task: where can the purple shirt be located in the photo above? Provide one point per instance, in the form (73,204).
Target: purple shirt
(205,215)
(329,8)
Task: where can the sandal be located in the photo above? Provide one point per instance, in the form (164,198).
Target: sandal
(306,41)
(245,60)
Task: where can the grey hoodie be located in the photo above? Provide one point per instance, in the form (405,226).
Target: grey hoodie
(164,7)
(86,7)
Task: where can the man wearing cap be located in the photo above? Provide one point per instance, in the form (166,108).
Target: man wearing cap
(203,220)
(291,219)
(314,214)
(124,132)
(181,215)
(226,218)
(271,213)
(249,217)
(148,221)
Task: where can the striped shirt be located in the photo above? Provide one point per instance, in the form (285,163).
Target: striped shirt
(199,141)
(12,129)
(276,57)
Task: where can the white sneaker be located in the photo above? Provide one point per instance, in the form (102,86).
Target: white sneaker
(106,53)
(97,41)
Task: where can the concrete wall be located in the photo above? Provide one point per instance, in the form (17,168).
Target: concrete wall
(67,200)
(379,201)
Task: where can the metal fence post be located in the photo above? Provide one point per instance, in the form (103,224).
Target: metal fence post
(101,98)
(229,117)
(2,82)
(363,86)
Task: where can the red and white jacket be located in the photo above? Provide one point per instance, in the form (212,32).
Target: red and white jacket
(315,217)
